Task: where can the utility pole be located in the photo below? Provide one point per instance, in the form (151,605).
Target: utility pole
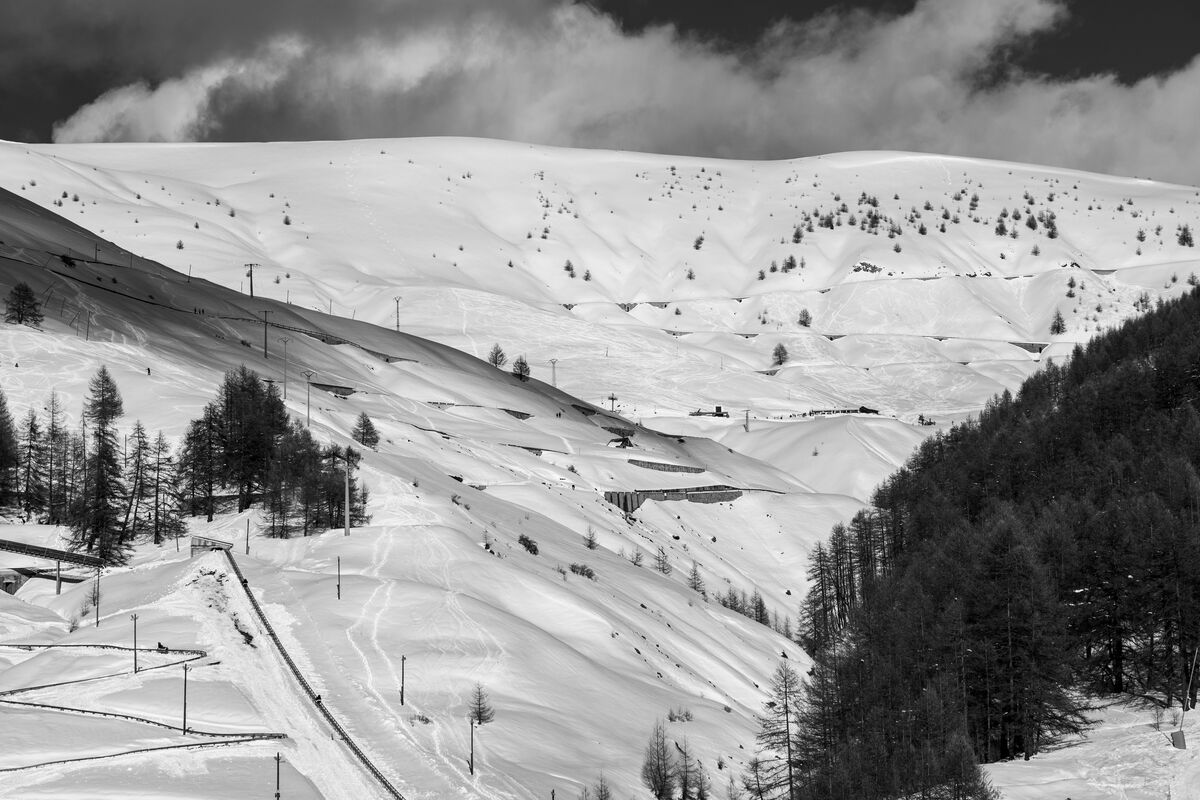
(185,672)
(554,372)
(278,758)
(135,664)
(251,267)
(402,660)
(264,313)
(308,376)
(397,299)
(285,341)
(612,398)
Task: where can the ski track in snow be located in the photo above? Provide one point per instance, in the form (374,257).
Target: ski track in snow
(450,750)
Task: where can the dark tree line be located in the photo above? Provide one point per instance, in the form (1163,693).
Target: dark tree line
(243,449)
(114,490)
(108,491)
(1051,544)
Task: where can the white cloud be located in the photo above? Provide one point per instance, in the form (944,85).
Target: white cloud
(178,109)
(841,82)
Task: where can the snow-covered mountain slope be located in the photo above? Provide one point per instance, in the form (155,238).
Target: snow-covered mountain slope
(471,458)
(474,236)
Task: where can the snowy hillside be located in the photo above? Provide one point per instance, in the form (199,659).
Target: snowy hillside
(473,237)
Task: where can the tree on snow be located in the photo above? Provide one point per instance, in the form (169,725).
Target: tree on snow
(496,356)
(520,369)
(779,356)
(9,455)
(658,765)
(21,306)
(96,517)
(777,730)
(364,432)
(480,707)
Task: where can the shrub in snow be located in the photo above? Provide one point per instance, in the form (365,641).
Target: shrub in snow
(584,570)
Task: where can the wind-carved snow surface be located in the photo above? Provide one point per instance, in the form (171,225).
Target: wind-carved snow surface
(470,459)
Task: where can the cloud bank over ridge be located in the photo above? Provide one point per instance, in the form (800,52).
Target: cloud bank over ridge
(934,79)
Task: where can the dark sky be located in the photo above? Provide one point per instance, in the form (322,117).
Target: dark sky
(1132,40)
(1087,83)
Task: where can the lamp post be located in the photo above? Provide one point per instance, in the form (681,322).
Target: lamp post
(135,664)
(185,672)
(250,272)
(308,376)
(285,341)
(264,313)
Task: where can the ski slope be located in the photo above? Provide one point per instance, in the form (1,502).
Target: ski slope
(470,458)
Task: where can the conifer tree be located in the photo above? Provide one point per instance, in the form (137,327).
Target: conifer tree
(520,369)
(1057,325)
(57,452)
(658,764)
(777,733)
(662,562)
(251,417)
(9,456)
(480,707)
(686,771)
(695,580)
(364,432)
(97,520)
(199,463)
(496,356)
(779,356)
(166,520)
(33,465)
(21,307)
(755,780)
(139,506)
